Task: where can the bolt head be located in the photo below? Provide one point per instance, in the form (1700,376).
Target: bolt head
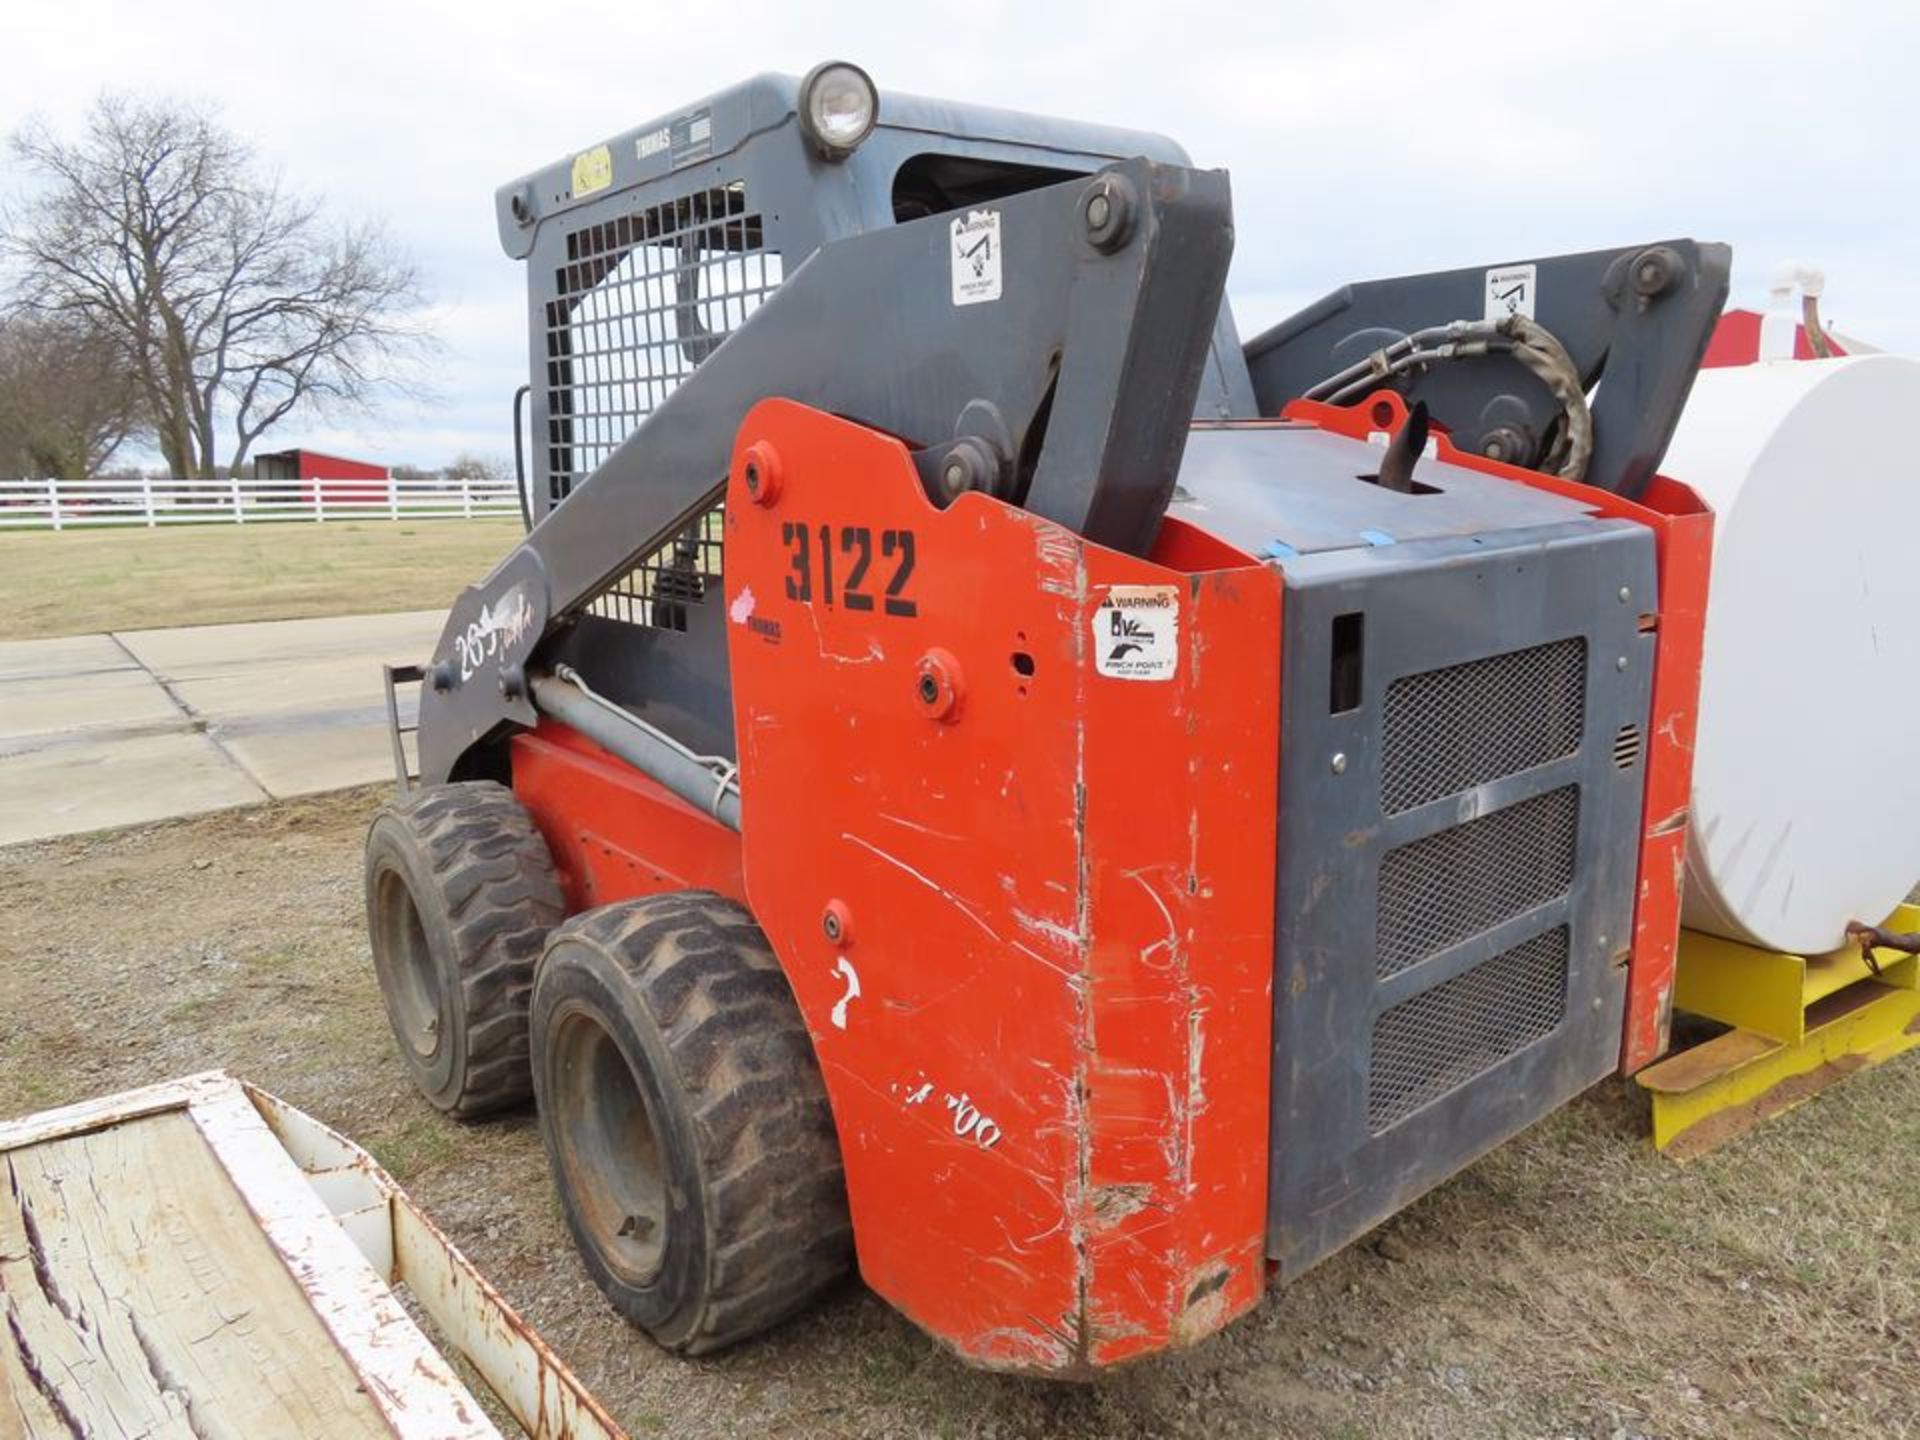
(1655,271)
(1625,594)
(1621,663)
(760,473)
(1505,445)
(1339,762)
(836,923)
(937,686)
(1107,213)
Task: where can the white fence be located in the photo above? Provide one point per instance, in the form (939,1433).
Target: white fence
(76,504)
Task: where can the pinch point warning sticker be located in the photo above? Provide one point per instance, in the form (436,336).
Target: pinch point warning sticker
(1511,290)
(1136,632)
(975,245)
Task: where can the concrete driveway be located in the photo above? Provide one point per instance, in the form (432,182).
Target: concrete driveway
(105,730)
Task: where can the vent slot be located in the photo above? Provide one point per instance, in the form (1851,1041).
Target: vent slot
(1448,730)
(641,300)
(1441,889)
(1438,1040)
(658,591)
(1348,662)
(1626,747)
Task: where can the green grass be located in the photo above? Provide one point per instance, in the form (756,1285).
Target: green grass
(76,582)
(419,1146)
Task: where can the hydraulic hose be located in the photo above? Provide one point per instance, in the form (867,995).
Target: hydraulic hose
(1531,344)
(520,459)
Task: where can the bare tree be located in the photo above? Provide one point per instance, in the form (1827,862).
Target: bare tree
(66,401)
(464,466)
(469,466)
(233,301)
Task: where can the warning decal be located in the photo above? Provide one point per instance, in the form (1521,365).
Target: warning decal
(1136,632)
(1510,291)
(975,246)
(592,171)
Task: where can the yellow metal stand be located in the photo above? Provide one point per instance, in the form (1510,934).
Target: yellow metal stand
(1799,1023)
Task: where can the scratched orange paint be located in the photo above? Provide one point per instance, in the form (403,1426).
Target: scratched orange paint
(1051,1085)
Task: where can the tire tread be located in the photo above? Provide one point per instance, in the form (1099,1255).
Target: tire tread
(778,1231)
(496,876)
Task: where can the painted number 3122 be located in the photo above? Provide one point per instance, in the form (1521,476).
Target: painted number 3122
(866,568)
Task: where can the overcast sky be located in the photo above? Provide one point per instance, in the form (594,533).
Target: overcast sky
(1361,143)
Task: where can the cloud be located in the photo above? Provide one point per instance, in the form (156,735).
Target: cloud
(1363,141)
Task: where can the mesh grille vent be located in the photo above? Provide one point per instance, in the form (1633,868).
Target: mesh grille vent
(1441,1038)
(1442,888)
(1626,747)
(657,591)
(642,300)
(1448,730)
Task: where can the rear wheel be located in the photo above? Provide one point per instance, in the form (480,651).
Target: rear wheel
(461,895)
(685,1120)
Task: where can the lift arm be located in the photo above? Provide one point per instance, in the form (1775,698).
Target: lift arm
(1047,348)
(1638,318)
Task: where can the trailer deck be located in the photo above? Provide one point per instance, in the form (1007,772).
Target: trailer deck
(198,1258)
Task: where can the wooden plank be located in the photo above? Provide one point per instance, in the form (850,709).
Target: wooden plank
(141,1299)
(24,1411)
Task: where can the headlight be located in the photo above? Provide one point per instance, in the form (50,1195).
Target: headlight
(838,107)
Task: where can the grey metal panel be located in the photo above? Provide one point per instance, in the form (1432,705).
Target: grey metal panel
(1644,343)
(907,360)
(675,680)
(804,201)
(1427,606)
(1091,360)
(908,125)
(1256,484)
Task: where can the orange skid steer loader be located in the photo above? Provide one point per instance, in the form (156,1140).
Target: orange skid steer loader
(978,774)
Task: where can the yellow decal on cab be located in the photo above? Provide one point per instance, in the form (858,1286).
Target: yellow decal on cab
(592,171)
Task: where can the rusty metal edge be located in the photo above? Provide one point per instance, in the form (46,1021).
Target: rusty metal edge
(509,1355)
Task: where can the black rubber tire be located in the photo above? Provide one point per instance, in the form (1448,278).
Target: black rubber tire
(685,1120)
(461,896)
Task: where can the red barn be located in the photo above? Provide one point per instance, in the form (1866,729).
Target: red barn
(331,477)
(1745,337)
(1736,340)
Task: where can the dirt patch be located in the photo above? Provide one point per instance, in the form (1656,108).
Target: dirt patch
(1572,1284)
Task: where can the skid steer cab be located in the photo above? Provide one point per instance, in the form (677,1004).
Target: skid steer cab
(979,775)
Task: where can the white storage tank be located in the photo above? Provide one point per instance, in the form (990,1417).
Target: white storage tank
(1806,777)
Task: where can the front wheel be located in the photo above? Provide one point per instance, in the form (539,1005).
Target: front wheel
(461,893)
(685,1121)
